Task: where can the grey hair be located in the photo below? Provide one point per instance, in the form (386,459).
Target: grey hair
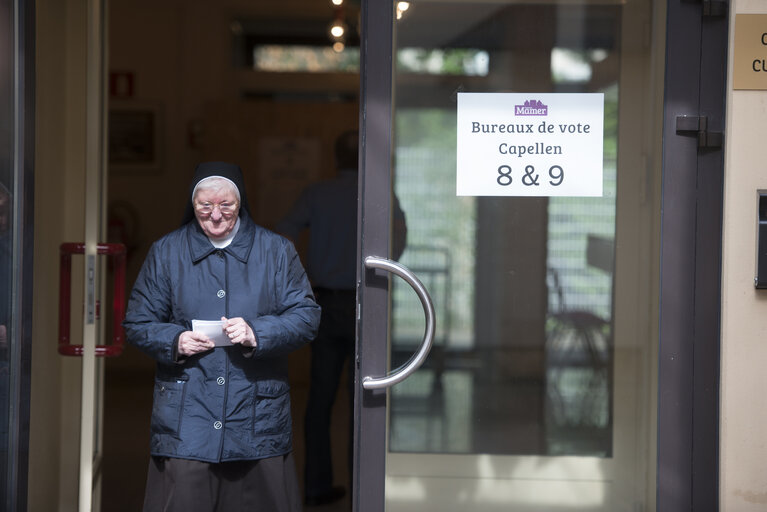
(216,183)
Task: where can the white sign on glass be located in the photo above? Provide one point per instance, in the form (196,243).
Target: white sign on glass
(512,144)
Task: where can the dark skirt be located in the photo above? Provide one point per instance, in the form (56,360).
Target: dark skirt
(180,485)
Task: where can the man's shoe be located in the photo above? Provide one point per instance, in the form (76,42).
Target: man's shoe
(335,494)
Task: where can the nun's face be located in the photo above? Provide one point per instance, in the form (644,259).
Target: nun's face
(216,211)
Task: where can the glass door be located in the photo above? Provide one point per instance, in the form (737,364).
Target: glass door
(522,142)
(17,147)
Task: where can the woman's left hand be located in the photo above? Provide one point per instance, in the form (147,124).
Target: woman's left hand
(239,331)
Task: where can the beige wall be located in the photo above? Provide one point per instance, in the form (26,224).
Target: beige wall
(744,320)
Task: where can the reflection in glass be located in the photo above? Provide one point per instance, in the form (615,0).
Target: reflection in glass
(307,59)
(464,61)
(5,310)
(522,286)
(6,222)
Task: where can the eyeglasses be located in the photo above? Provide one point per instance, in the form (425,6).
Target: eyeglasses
(225,208)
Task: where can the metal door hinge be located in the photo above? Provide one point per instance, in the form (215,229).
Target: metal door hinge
(713,8)
(698,126)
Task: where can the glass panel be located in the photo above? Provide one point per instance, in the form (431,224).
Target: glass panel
(537,348)
(6,222)
(305,45)
(306,59)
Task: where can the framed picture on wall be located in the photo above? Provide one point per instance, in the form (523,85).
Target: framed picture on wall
(135,142)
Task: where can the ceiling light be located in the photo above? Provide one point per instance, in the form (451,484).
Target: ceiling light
(337,30)
(401,8)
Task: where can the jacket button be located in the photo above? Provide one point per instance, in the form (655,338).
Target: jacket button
(221,294)
(217,425)
(220,381)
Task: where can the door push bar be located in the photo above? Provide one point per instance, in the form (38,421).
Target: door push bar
(117,253)
(374,262)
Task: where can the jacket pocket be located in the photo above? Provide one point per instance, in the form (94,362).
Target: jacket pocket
(271,408)
(168,406)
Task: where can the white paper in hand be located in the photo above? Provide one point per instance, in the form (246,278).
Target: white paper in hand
(213,329)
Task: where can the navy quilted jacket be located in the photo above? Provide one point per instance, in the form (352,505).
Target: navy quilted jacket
(228,403)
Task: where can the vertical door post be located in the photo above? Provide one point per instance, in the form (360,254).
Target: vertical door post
(373,240)
(90,412)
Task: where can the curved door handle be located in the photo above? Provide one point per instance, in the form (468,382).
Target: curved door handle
(419,357)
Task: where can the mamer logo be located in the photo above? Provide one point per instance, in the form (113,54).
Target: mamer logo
(531,108)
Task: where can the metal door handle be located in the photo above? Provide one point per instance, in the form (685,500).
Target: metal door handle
(419,357)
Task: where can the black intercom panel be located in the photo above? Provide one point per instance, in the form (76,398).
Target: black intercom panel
(761,241)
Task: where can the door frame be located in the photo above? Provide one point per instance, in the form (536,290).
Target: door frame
(690,262)
(22,130)
(374,212)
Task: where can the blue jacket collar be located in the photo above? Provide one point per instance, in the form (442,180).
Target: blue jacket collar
(200,247)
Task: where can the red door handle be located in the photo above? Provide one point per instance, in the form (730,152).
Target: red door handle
(117,253)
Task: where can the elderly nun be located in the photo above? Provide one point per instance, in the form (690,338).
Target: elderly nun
(221,425)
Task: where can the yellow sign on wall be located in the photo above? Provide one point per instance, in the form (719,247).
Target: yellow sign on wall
(750,52)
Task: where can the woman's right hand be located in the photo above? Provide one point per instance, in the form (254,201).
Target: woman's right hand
(190,343)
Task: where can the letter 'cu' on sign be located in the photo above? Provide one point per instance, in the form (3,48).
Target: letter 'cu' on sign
(512,144)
